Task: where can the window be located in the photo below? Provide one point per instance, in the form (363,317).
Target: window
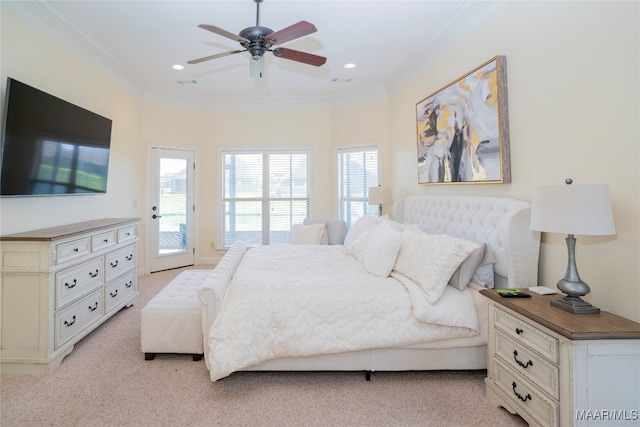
(357,171)
(264,193)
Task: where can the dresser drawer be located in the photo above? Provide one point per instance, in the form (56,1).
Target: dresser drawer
(76,281)
(127,234)
(527,334)
(526,396)
(120,261)
(104,240)
(528,363)
(72,250)
(77,317)
(119,290)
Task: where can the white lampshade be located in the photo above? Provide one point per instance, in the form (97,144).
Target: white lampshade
(573,209)
(379,195)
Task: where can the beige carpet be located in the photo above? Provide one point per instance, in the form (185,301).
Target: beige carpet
(105,381)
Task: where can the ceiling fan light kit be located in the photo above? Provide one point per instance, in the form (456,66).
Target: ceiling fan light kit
(257,40)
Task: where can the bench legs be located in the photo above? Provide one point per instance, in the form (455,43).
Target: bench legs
(195,357)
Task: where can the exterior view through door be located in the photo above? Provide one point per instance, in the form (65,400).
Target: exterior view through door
(172,209)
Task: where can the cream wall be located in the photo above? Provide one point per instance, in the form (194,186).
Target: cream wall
(573,81)
(32,58)
(212,130)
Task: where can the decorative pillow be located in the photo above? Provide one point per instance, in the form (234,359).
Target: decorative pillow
(478,267)
(431,259)
(308,234)
(382,249)
(335,229)
(463,274)
(358,247)
(358,228)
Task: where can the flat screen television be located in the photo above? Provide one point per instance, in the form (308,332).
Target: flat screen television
(50,146)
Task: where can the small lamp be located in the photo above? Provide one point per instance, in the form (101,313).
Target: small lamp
(379,196)
(573,209)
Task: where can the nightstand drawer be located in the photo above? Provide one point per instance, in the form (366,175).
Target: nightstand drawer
(526,396)
(528,363)
(526,334)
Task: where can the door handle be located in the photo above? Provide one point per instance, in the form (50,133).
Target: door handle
(154,216)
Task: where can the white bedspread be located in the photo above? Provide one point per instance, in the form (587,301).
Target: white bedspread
(302,300)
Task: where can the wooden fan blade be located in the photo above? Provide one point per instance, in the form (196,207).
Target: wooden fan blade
(219,55)
(294,31)
(296,55)
(224,33)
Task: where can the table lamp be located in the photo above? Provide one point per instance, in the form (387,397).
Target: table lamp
(379,196)
(573,209)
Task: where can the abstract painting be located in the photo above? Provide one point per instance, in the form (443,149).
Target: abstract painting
(463,131)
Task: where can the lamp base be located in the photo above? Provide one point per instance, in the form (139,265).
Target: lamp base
(575,305)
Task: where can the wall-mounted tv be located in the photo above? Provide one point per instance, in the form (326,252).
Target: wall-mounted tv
(50,146)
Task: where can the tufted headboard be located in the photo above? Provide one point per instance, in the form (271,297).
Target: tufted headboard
(502,223)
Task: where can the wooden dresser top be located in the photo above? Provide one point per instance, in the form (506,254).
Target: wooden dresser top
(64,231)
(601,326)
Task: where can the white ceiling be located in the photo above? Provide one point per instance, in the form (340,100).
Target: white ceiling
(137,42)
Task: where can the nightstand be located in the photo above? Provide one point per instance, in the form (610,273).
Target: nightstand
(555,368)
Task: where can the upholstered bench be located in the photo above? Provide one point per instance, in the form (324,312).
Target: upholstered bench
(172,321)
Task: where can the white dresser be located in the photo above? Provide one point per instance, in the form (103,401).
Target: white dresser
(558,369)
(60,283)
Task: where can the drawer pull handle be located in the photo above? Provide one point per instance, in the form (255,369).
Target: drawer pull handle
(519,331)
(114,264)
(106,240)
(75,282)
(94,308)
(128,285)
(93,274)
(72,322)
(76,250)
(524,399)
(129,257)
(114,294)
(524,365)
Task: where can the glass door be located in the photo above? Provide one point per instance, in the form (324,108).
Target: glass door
(171,215)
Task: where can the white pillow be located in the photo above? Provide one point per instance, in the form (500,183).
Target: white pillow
(358,228)
(431,259)
(358,247)
(311,234)
(381,252)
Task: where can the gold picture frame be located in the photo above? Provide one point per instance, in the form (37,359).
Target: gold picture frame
(463,130)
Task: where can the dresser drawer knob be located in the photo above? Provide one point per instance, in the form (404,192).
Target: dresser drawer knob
(114,264)
(524,365)
(75,282)
(93,274)
(94,308)
(129,284)
(519,331)
(129,257)
(524,399)
(114,294)
(72,321)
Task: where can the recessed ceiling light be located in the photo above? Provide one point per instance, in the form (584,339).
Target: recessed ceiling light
(350,65)
(178,67)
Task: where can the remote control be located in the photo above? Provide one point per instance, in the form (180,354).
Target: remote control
(514,295)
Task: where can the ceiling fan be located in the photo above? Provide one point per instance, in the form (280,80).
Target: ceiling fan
(257,40)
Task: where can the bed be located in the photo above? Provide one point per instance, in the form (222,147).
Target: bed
(343,308)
